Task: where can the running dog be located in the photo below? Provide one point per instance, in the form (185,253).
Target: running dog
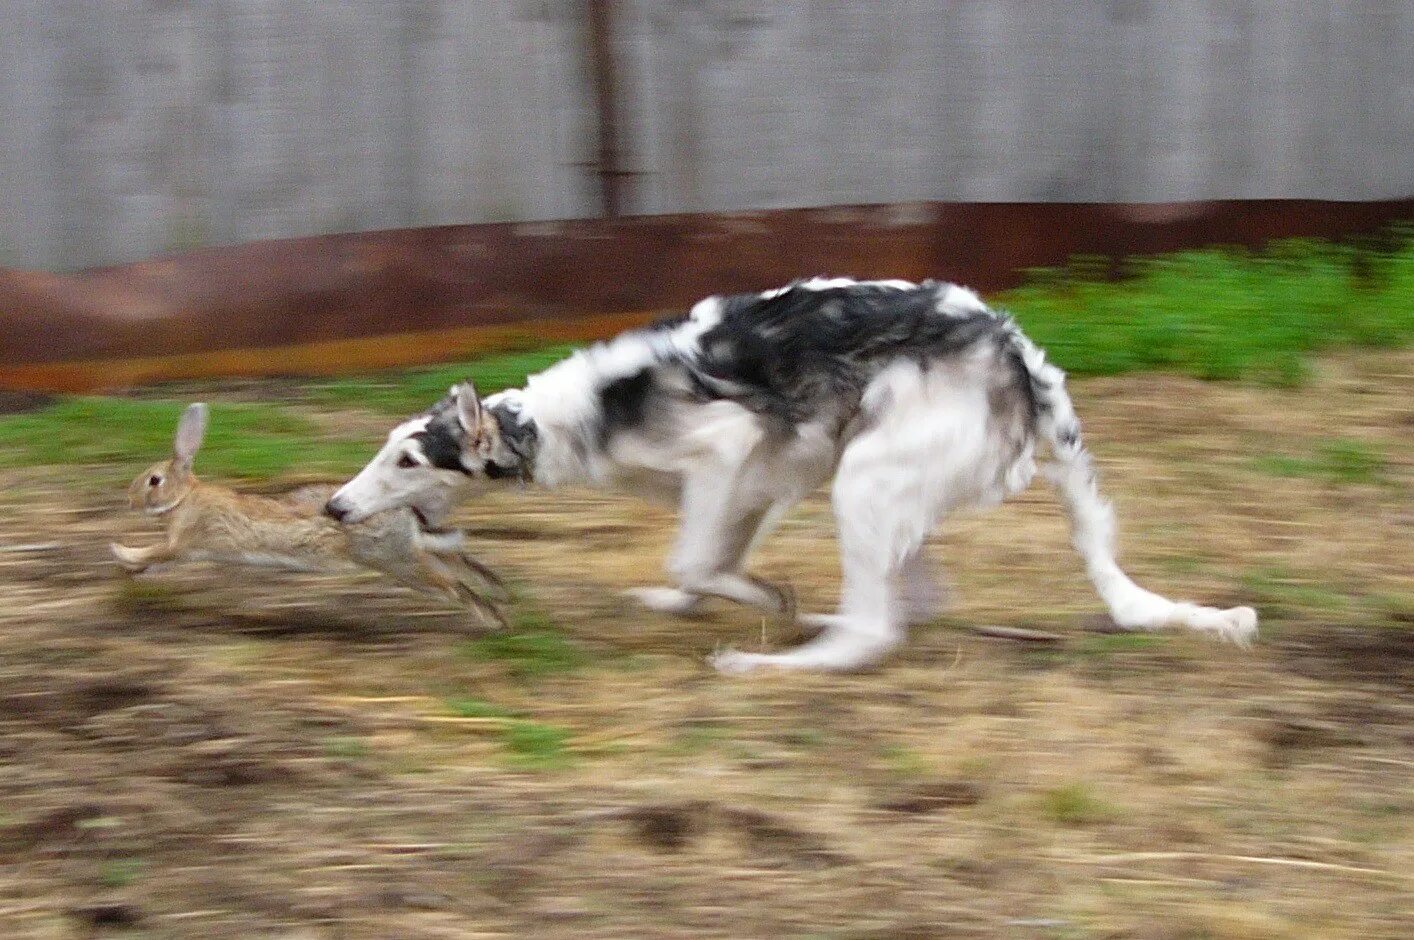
(913,400)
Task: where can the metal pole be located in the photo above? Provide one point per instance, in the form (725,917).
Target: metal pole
(606,99)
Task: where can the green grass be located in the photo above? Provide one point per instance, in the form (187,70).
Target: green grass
(697,739)
(412,390)
(1336,461)
(1074,804)
(905,763)
(1110,644)
(147,597)
(250,441)
(1280,594)
(530,745)
(535,746)
(1220,313)
(345,748)
(120,872)
(476,708)
(526,653)
(531,647)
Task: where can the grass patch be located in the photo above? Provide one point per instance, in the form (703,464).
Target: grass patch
(1347,461)
(1111,644)
(905,763)
(248,441)
(1395,609)
(346,748)
(136,597)
(535,746)
(1279,594)
(413,390)
(1074,804)
(1220,313)
(120,872)
(475,708)
(1335,461)
(531,648)
(697,739)
(531,745)
(526,653)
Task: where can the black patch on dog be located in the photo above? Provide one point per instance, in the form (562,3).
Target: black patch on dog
(794,352)
(804,354)
(521,439)
(624,403)
(496,471)
(441,442)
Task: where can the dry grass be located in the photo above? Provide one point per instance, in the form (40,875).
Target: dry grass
(211,754)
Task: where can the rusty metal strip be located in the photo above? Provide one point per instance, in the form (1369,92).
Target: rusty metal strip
(109,327)
(325,358)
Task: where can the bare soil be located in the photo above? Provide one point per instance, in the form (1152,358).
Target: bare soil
(218,753)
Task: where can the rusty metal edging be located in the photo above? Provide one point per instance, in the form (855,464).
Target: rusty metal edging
(344,302)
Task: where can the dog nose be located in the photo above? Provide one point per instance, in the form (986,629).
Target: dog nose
(334,511)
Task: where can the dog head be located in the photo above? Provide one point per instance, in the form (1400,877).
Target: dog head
(428,460)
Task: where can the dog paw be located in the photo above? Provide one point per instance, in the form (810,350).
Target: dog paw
(730,662)
(813,624)
(665,600)
(1241,627)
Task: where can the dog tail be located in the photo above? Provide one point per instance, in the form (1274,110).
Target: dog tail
(1092,520)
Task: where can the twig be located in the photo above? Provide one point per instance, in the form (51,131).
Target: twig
(484,722)
(409,848)
(1017,633)
(372,699)
(1373,759)
(1203,856)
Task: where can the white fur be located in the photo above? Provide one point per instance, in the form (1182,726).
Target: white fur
(959,301)
(379,485)
(829,283)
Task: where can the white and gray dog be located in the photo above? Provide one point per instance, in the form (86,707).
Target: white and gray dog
(916,400)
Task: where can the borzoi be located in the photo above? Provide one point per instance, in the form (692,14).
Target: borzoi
(914,400)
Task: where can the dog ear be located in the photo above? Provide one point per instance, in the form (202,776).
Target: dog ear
(469,413)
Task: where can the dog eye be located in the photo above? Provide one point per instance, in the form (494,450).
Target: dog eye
(154,480)
(406,462)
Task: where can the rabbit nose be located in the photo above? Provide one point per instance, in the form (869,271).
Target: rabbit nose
(334,511)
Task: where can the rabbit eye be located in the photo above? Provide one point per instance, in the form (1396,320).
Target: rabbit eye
(406,462)
(154,480)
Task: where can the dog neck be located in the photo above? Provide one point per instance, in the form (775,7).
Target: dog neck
(519,442)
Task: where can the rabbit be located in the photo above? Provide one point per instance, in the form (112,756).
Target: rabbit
(208,522)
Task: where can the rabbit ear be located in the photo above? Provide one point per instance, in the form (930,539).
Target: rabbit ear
(468,407)
(190,431)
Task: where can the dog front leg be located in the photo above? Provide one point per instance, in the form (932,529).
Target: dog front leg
(716,534)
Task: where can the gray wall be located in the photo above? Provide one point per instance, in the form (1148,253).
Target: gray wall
(129,128)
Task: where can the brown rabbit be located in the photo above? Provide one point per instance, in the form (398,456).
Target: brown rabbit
(207,522)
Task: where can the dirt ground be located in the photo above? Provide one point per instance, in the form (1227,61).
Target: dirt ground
(206,753)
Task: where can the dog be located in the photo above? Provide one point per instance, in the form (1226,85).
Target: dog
(914,401)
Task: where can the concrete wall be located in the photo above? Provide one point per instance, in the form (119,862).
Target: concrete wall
(130,128)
